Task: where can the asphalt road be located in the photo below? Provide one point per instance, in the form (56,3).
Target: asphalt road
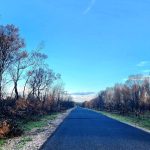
(87,130)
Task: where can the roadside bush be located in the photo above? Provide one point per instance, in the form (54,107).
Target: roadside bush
(9,128)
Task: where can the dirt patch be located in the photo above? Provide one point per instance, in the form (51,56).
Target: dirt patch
(34,139)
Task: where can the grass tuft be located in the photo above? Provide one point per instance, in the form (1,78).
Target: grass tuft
(42,122)
(2,142)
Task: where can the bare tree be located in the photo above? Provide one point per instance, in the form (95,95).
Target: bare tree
(36,60)
(27,76)
(133,96)
(10,43)
(58,93)
(40,80)
(17,69)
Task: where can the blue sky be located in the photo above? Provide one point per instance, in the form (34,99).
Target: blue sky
(92,43)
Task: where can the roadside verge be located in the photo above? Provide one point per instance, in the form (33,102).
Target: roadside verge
(122,119)
(33,139)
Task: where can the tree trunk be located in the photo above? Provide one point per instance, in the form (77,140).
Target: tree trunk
(16,91)
(0,86)
(24,89)
(0,91)
(12,92)
(38,93)
(33,91)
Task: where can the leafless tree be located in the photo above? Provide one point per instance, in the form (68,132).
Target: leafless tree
(133,96)
(10,43)
(17,69)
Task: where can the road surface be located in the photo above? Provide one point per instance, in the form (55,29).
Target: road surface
(87,130)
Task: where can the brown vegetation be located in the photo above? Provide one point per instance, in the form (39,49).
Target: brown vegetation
(131,97)
(42,92)
(9,128)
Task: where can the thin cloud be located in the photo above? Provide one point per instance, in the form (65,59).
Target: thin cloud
(146,71)
(143,63)
(139,77)
(92,3)
(82,98)
(82,93)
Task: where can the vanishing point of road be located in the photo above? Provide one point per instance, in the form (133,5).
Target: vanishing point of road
(84,129)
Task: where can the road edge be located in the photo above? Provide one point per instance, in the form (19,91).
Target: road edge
(52,134)
(127,123)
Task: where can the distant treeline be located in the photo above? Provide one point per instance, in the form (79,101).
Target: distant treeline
(27,85)
(131,97)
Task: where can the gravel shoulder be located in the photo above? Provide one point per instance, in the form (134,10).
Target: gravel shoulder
(34,139)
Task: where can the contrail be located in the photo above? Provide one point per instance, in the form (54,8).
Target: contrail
(92,3)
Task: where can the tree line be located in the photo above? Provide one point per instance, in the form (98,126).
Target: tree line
(27,84)
(131,97)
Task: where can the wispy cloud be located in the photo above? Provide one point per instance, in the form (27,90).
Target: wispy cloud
(82,93)
(143,63)
(139,77)
(82,98)
(146,71)
(92,3)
